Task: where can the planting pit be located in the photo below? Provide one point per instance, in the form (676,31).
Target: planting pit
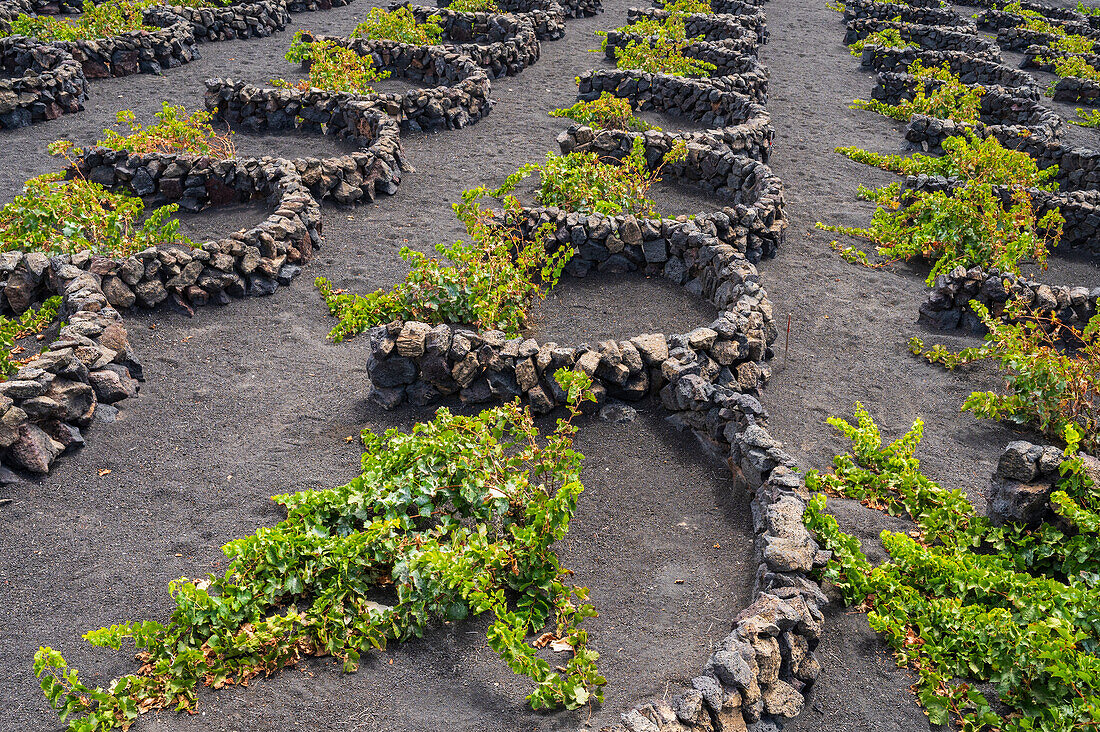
(619,306)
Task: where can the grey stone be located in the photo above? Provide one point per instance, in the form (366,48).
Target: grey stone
(410,341)
(34,450)
(618,413)
(782,700)
(652,346)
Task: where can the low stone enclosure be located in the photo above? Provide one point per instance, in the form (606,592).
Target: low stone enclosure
(51,398)
(1011,111)
(712,26)
(996,20)
(970,69)
(932,15)
(724,53)
(948,304)
(456,76)
(64,67)
(745,124)
(999,106)
(44,82)
(926,37)
(751,218)
(1025,476)
(462,98)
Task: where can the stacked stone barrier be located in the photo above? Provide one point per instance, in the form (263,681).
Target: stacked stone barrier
(1048,11)
(47,403)
(562,8)
(926,37)
(1041,57)
(500,43)
(1018,39)
(752,218)
(44,81)
(233,22)
(1016,106)
(947,306)
(711,26)
(1080,209)
(135,52)
(1002,115)
(934,15)
(481,27)
(970,69)
(1080,91)
(1024,479)
(699,100)
(997,20)
(169,42)
(724,53)
(55,395)
(458,96)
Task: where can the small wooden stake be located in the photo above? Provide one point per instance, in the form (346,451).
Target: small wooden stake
(787,341)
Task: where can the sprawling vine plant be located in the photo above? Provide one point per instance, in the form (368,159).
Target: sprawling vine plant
(98,20)
(960,600)
(939,93)
(399,25)
(331,66)
(607,112)
(173,131)
(457,517)
(29,323)
(968,224)
(1086,118)
(475,6)
(885,38)
(586,183)
(1051,369)
(58,216)
(660,48)
(492,280)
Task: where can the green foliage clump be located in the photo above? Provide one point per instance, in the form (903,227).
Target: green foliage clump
(1052,372)
(583,182)
(608,112)
(886,38)
(399,25)
(332,67)
(685,7)
(495,279)
(173,131)
(948,99)
(1034,21)
(960,600)
(1072,66)
(28,323)
(1073,43)
(967,157)
(104,20)
(457,517)
(57,216)
(1086,10)
(967,225)
(1086,118)
(1063,41)
(474,6)
(660,50)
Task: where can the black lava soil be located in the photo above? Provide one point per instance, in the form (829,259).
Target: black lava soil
(250,400)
